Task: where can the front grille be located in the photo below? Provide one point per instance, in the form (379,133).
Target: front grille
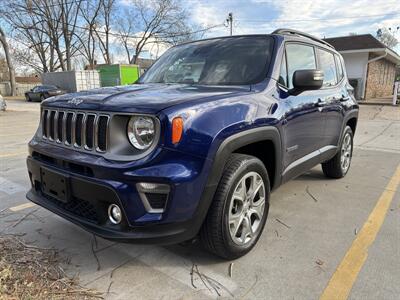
(78,129)
(83,130)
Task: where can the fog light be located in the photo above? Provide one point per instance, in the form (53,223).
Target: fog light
(114,214)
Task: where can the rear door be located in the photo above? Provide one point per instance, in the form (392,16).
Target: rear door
(304,122)
(332,93)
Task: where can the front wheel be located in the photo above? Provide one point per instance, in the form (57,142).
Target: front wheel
(239,209)
(27,98)
(339,165)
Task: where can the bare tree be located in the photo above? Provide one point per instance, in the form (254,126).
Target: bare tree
(386,37)
(48,27)
(29,33)
(11,71)
(126,25)
(103,31)
(87,36)
(158,21)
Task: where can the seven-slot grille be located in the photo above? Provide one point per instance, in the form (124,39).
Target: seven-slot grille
(84,130)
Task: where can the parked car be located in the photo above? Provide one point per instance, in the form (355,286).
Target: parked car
(196,147)
(3,104)
(42,92)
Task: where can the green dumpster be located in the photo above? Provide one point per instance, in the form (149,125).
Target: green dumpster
(112,75)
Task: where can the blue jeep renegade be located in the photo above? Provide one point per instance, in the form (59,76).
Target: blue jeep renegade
(197,144)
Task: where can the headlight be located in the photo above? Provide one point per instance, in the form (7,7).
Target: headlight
(141,132)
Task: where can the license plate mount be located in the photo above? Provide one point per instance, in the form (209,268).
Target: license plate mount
(55,184)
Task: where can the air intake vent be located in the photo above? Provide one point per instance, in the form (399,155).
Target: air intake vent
(68,131)
(78,130)
(51,124)
(89,131)
(44,123)
(102,133)
(60,126)
(85,130)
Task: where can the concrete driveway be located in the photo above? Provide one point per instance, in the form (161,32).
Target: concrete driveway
(310,247)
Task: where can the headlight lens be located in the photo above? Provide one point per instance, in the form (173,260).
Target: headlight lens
(141,132)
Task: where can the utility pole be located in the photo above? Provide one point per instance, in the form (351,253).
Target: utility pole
(229,20)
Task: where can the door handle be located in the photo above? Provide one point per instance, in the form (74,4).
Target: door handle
(320,102)
(344,98)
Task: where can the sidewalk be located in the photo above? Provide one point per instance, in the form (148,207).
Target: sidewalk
(378,101)
(14,98)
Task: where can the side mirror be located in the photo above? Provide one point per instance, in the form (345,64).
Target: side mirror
(306,80)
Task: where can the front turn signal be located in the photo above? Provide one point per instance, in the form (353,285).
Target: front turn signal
(177,129)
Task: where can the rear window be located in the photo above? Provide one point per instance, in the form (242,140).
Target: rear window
(340,71)
(226,61)
(328,66)
(48,87)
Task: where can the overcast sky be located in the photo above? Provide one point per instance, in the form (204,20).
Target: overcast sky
(323,18)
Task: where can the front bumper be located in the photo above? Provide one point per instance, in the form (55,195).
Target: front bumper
(91,192)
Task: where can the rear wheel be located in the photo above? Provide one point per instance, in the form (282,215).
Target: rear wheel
(339,165)
(239,209)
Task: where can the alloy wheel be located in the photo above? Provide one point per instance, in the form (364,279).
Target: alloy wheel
(246,208)
(346,151)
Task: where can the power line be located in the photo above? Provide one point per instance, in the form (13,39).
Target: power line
(315,19)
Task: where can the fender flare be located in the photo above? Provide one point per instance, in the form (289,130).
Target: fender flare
(225,149)
(350,115)
(241,139)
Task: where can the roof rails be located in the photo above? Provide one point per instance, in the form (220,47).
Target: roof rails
(293,31)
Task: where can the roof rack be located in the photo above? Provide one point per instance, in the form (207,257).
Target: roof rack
(293,31)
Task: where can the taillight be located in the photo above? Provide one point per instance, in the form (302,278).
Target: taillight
(177,129)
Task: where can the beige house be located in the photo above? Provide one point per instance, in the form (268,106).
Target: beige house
(370,65)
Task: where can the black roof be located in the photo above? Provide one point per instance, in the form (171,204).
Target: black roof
(355,42)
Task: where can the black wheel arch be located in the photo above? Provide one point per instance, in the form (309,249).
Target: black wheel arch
(245,138)
(225,149)
(350,119)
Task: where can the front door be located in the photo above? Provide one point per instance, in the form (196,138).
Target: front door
(304,122)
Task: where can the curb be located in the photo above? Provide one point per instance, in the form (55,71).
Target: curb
(378,103)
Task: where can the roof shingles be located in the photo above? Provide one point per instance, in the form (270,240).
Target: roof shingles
(355,42)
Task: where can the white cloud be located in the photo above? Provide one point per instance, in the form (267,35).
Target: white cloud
(319,17)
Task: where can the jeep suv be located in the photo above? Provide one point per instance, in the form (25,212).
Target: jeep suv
(195,147)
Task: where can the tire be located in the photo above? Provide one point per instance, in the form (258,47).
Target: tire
(225,231)
(339,165)
(27,98)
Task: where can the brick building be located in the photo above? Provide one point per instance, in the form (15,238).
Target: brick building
(370,65)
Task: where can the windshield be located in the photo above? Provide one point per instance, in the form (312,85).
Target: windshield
(225,61)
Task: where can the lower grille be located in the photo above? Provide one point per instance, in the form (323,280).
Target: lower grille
(78,207)
(85,130)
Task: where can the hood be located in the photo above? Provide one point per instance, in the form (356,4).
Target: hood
(144,98)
